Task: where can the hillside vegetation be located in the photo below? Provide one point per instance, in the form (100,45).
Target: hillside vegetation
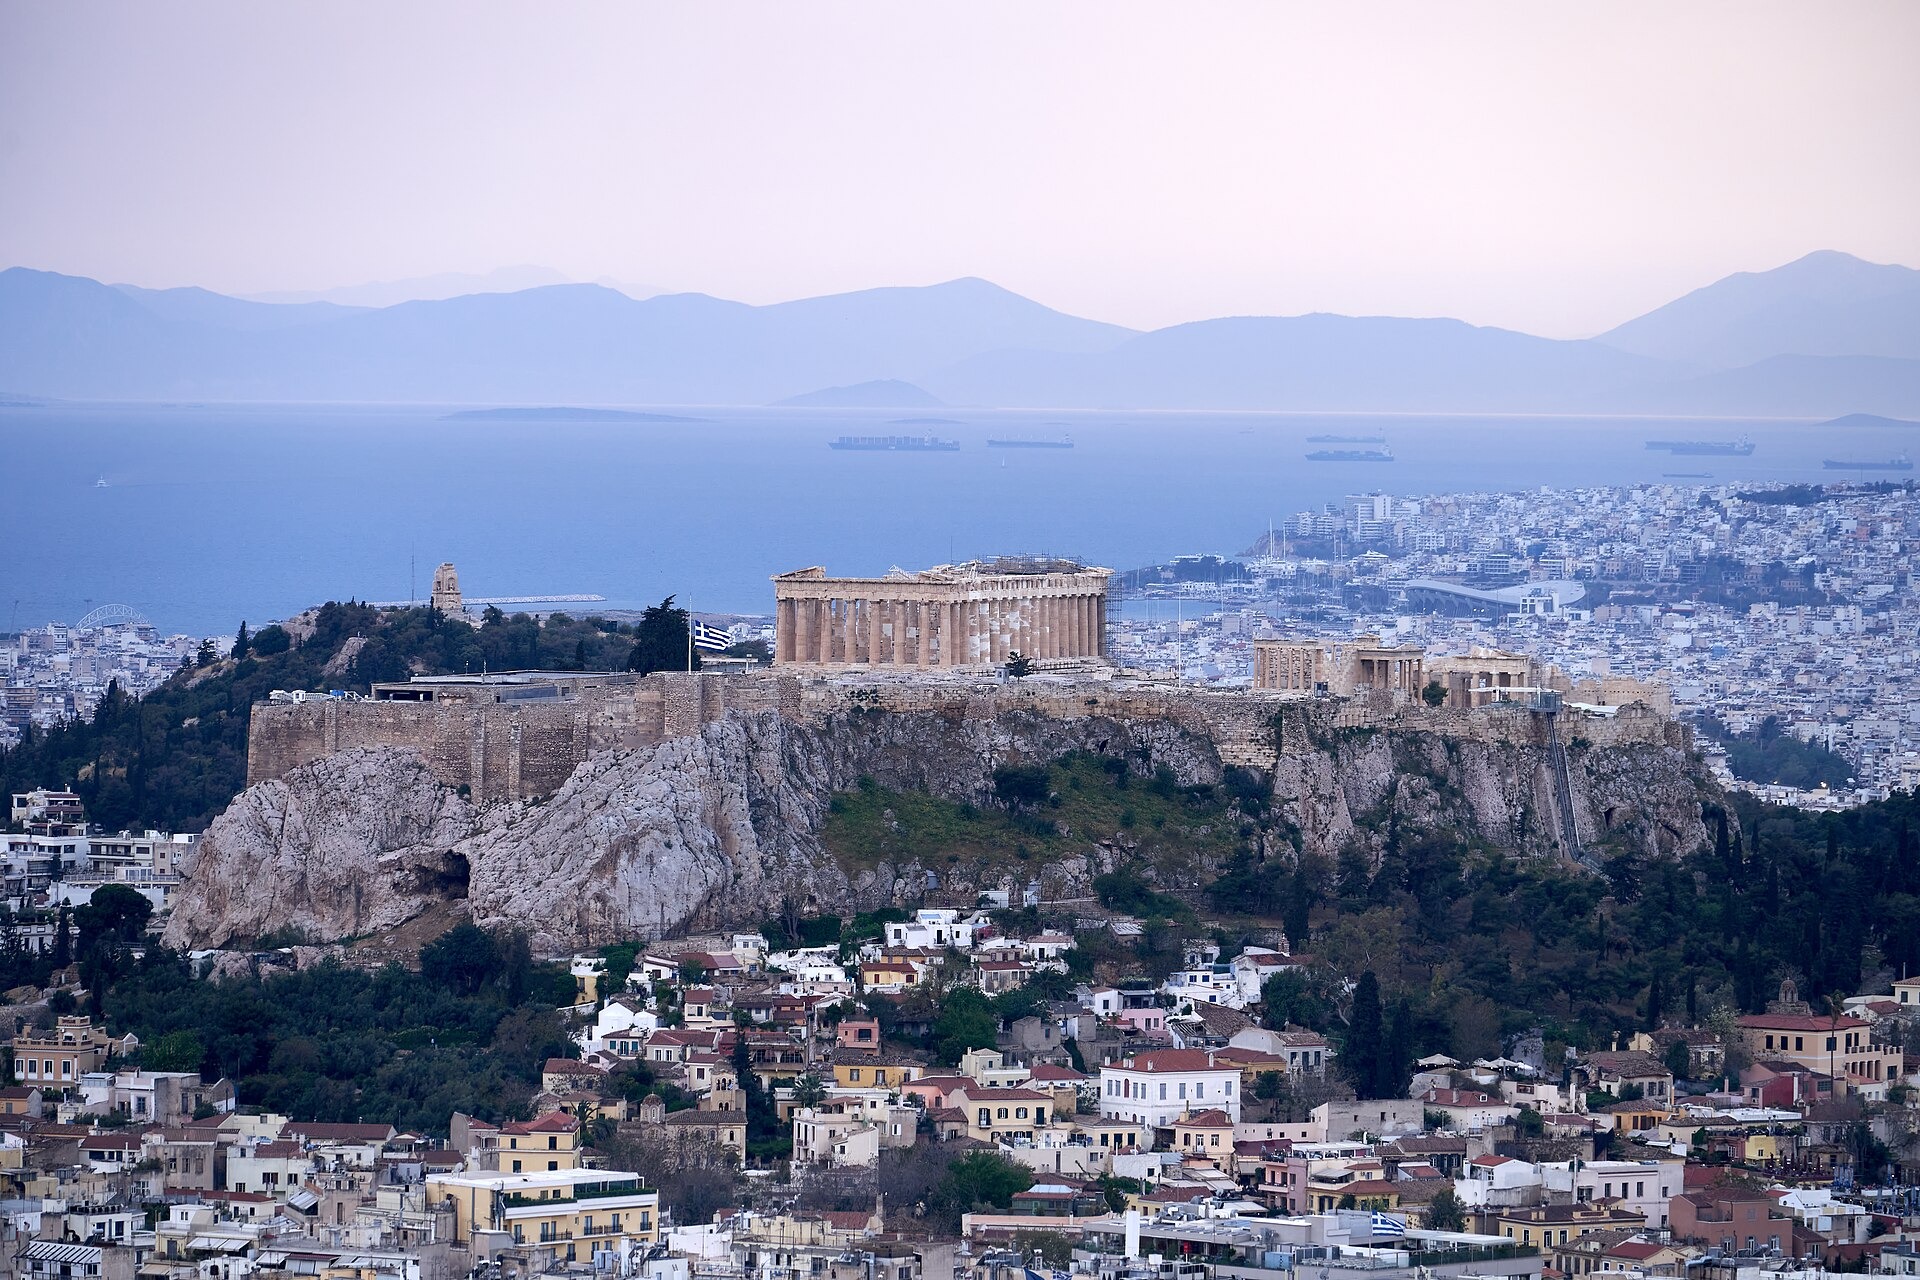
(173,759)
(1043,812)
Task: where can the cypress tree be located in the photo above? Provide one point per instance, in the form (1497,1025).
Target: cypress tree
(1364,1048)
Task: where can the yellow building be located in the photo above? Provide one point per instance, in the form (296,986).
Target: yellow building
(1011,1115)
(61,1056)
(871,1071)
(578,1211)
(544,1144)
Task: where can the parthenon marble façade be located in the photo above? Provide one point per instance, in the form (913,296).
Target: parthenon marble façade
(975,614)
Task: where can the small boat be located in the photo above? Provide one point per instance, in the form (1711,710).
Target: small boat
(1350,455)
(1900,463)
(896,444)
(101,483)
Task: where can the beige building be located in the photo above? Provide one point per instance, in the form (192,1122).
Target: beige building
(59,1057)
(580,1211)
(976,614)
(1340,669)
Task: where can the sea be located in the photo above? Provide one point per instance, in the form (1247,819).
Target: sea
(201,516)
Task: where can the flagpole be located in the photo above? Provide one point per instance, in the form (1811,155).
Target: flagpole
(689,642)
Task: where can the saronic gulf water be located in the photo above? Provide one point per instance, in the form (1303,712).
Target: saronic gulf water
(200,516)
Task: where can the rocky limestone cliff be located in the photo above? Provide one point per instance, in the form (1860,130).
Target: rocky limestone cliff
(354,843)
(720,826)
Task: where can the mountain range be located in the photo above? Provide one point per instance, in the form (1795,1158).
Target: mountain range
(1826,335)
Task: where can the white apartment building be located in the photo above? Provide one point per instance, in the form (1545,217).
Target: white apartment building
(1155,1089)
(1642,1186)
(934,928)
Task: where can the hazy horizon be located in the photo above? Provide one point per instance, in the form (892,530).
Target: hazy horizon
(1551,171)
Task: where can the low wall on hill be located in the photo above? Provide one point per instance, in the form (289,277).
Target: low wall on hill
(524,750)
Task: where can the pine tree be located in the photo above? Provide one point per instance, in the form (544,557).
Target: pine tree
(660,641)
(242,642)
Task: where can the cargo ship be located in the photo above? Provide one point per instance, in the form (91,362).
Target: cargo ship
(896,444)
(1901,463)
(1062,443)
(1741,448)
(1346,439)
(1350,455)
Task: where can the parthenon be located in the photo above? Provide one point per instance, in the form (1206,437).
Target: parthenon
(976,614)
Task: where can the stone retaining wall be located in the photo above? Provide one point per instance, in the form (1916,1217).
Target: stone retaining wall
(526,750)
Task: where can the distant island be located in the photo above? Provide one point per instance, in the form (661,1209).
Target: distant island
(881,393)
(561,413)
(1869,420)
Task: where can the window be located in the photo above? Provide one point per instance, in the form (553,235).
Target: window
(553,1143)
(1163,1093)
(516,1166)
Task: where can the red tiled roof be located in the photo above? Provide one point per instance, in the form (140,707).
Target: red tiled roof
(1798,1022)
(1166,1060)
(313,1132)
(552,1122)
(1461,1098)
(1048,1071)
(1212,1118)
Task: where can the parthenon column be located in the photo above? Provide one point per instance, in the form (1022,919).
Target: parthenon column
(873,632)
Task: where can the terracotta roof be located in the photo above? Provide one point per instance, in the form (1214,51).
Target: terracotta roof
(1798,1022)
(1212,1118)
(1050,1071)
(1009,1095)
(1169,1060)
(693,1119)
(314,1132)
(110,1142)
(851,1220)
(1461,1098)
(552,1122)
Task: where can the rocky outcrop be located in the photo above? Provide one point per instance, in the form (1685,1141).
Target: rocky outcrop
(722,825)
(350,844)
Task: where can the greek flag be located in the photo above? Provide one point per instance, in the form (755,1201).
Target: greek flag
(1385,1226)
(706,637)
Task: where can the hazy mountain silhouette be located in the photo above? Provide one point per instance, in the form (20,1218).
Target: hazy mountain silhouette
(1825,304)
(882,393)
(966,342)
(1306,362)
(452,284)
(202,306)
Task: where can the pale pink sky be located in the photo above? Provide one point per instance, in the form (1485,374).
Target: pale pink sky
(1551,167)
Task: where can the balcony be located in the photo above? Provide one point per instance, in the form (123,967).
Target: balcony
(564,1203)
